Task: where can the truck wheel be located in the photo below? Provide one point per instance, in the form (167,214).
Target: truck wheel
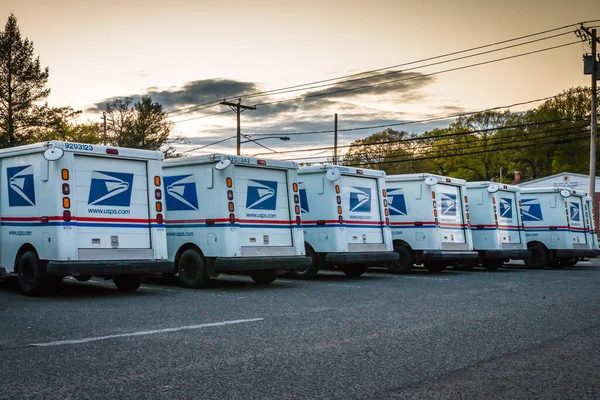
(312,270)
(127,283)
(568,262)
(465,265)
(263,277)
(434,266)
(355,270)
(493,265)
(192,270)
(405,262)
(538,258)
(33,280)
(83,278)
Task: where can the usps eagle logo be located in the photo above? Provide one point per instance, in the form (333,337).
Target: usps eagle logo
(505,206)
(396,201)
(303,197)
(532,210)
(110,189)
(181,193)
(21,191)
(360,199)
(574,212)
(262,195)
(448,204)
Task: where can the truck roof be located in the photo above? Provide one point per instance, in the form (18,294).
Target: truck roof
(81,148)
(315,169)
(550,189)
(486,184)
(421,177)
(236,160)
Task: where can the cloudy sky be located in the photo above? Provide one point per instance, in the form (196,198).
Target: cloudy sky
(187,53)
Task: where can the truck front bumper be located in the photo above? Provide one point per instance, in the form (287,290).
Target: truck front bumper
(507,254)
(374,257)
(449,255)
(223,264)
(571,253)
(109,268)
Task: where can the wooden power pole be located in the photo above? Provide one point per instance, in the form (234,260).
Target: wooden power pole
(238,108)
(593,70)
(335,134)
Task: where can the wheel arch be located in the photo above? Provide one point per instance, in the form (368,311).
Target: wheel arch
(25,247)
(184,247)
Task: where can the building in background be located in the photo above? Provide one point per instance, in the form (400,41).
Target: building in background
(567,180)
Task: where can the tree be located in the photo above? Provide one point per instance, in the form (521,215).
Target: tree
(141,125)
(22,85)
(59,124)
(390,151)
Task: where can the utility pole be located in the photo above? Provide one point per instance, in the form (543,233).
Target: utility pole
(238,108)
(335,132)
(104,135)
(594,116)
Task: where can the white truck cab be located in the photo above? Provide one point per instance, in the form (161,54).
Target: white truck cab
(232,214)
(430,221)
(555,226)
(345,219)
(72,209)
(496,224)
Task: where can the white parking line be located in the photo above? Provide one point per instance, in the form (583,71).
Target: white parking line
(142,333)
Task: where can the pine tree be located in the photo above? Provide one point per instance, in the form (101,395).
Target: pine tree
(22,85)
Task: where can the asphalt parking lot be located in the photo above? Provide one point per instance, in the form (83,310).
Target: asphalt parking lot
(512,333)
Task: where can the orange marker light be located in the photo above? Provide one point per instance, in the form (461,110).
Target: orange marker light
(65,174)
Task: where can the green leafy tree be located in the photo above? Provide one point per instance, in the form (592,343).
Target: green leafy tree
(22,85)
(142,125)
(390,151)
(59,124)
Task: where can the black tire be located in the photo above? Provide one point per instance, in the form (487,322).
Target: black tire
(313,269)
(263,277)
(192,270)
(465,265)
(493,265)
(83,278)
(128,283)
(405,263)
(354,270)
(434,266)
(538,258)
(569,262)
(33,280)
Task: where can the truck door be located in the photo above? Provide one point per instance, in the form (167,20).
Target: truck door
(262,206)
(577,219)
(450,213)
(508,220)
(111,203)
(361,211)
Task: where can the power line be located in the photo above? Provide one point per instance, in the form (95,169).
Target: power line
(419,138)
(273,91)
(461,154)
(491,141)
(417,121)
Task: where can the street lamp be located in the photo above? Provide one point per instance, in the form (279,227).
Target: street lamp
(284,138)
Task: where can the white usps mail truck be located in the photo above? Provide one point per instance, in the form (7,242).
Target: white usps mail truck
(430,221)
(232,214)
(345,219)
(555,226)
(496,224)
(72,209)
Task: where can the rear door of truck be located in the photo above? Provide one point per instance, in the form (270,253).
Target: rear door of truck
(110,198)
(577,219)
(262,206)
(506,204)
(450,213)
(361,210)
